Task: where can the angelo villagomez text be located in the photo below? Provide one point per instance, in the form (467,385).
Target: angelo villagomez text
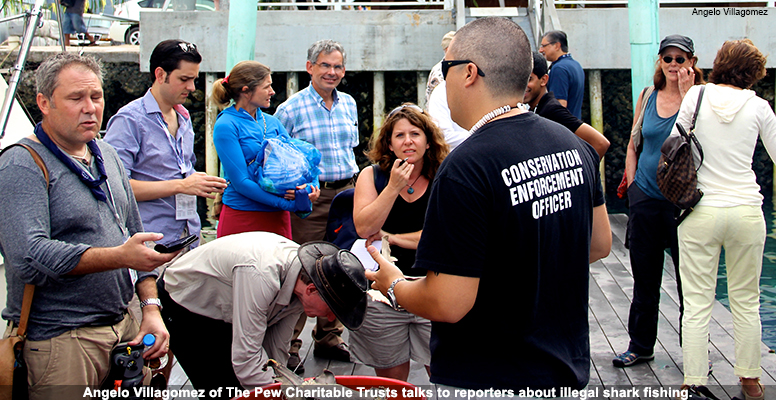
(731,11)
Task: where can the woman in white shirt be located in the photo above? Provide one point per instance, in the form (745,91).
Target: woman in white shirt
(729,215)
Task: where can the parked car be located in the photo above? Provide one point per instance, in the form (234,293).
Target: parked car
(128,30)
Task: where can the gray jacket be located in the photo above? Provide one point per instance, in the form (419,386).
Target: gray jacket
(43,234)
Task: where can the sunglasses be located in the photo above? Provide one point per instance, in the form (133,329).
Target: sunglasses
(446,64)
(679,60)
(399,108)
(188,47)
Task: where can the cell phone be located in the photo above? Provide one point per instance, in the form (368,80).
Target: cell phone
(176,244)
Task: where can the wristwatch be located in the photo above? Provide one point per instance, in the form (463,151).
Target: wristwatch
(151,302)
(391,296)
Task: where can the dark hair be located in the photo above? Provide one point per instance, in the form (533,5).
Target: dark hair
(558,37)
(500,48)
(168,55)
(245,73)
(379,145)
(659,80)
(738,63)
(540,64)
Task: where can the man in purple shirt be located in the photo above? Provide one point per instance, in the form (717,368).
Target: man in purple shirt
(154,137)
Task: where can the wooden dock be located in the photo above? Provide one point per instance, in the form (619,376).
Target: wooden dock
(611,287)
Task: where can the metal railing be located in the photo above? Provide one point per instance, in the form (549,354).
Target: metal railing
(354,4)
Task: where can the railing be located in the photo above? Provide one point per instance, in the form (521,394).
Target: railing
(355,5)
(745,3)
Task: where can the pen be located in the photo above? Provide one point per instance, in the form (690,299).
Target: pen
(403,161)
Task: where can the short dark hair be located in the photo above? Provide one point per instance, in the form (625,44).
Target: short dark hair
(558,37)
(540,64)
(738,63)
(168,55)
(500,48)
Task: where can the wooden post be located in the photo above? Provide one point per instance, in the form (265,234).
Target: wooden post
(292,83)
(378,105)
(211,156)
(422,80)
(596,114)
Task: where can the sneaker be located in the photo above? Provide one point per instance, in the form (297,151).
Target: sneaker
(630,358)
(339,352)
(294,361)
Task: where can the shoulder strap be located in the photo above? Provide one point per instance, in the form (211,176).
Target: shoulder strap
(644,98)
(381,181)
(692,126)
(29,289)
(35,156)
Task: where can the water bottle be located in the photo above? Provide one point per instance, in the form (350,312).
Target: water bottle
(154,363)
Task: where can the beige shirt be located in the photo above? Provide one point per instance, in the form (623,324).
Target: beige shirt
(245,279)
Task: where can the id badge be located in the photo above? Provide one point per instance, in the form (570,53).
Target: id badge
(133,276)
(185,206)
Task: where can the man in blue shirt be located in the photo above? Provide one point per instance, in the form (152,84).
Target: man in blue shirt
(567,79)
(154,137)
(328,119)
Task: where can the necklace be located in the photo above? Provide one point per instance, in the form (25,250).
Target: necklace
(82,158)
(410,189)
(489,116)
(263,120)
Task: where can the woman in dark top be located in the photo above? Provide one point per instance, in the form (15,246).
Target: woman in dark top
(409,149)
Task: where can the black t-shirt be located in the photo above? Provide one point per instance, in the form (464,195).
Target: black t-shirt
(405,218)
(549,107)
(513,206)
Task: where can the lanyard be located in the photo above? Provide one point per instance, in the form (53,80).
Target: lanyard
(183,164)
(111,203)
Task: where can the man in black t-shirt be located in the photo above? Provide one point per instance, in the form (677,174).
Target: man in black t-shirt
(546,105)
(515,216)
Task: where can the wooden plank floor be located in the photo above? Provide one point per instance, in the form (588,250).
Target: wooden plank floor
(611,288)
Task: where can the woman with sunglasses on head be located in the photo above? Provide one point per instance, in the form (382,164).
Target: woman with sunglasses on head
(652,218)
(407,152)
(239,134)
(730,120)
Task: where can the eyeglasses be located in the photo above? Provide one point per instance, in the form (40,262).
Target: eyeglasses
(546,44)
(446,64)
(679,60)
(399,108)
(327,66)
(188,47)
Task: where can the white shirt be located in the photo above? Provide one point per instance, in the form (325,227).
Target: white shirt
(729,122)
(247,280)
(440,113)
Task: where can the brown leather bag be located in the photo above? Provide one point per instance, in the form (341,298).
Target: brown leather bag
(676,173)
(11,347)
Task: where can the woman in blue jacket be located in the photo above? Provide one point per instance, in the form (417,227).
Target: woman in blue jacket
(239,135)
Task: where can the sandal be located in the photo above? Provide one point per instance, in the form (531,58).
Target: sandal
(747,396)
(630,358)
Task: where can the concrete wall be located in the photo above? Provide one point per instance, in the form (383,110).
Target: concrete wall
(607,45)
(375,40)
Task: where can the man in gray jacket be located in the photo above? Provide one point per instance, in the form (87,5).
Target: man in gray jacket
(78,238)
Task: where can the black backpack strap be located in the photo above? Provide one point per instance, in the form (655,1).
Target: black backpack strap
(380,178)
(692,126)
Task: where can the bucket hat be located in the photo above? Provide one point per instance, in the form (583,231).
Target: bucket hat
(339,278)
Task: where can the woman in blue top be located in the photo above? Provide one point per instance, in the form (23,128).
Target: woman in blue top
(239,134)
(652,223)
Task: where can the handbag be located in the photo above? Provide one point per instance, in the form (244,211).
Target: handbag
(622,189)
(677,175)
(13,371)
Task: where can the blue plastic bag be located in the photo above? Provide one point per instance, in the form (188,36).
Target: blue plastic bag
(289,163)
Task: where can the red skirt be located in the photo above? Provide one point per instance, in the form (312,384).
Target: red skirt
(233,221)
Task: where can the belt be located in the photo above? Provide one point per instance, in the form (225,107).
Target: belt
(335,184)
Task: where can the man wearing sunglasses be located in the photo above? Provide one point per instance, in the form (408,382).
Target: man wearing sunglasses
(155,140)
(516,214)
(327,118)
(567,79)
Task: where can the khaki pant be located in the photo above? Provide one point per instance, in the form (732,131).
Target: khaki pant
(77,358)
(741,231)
